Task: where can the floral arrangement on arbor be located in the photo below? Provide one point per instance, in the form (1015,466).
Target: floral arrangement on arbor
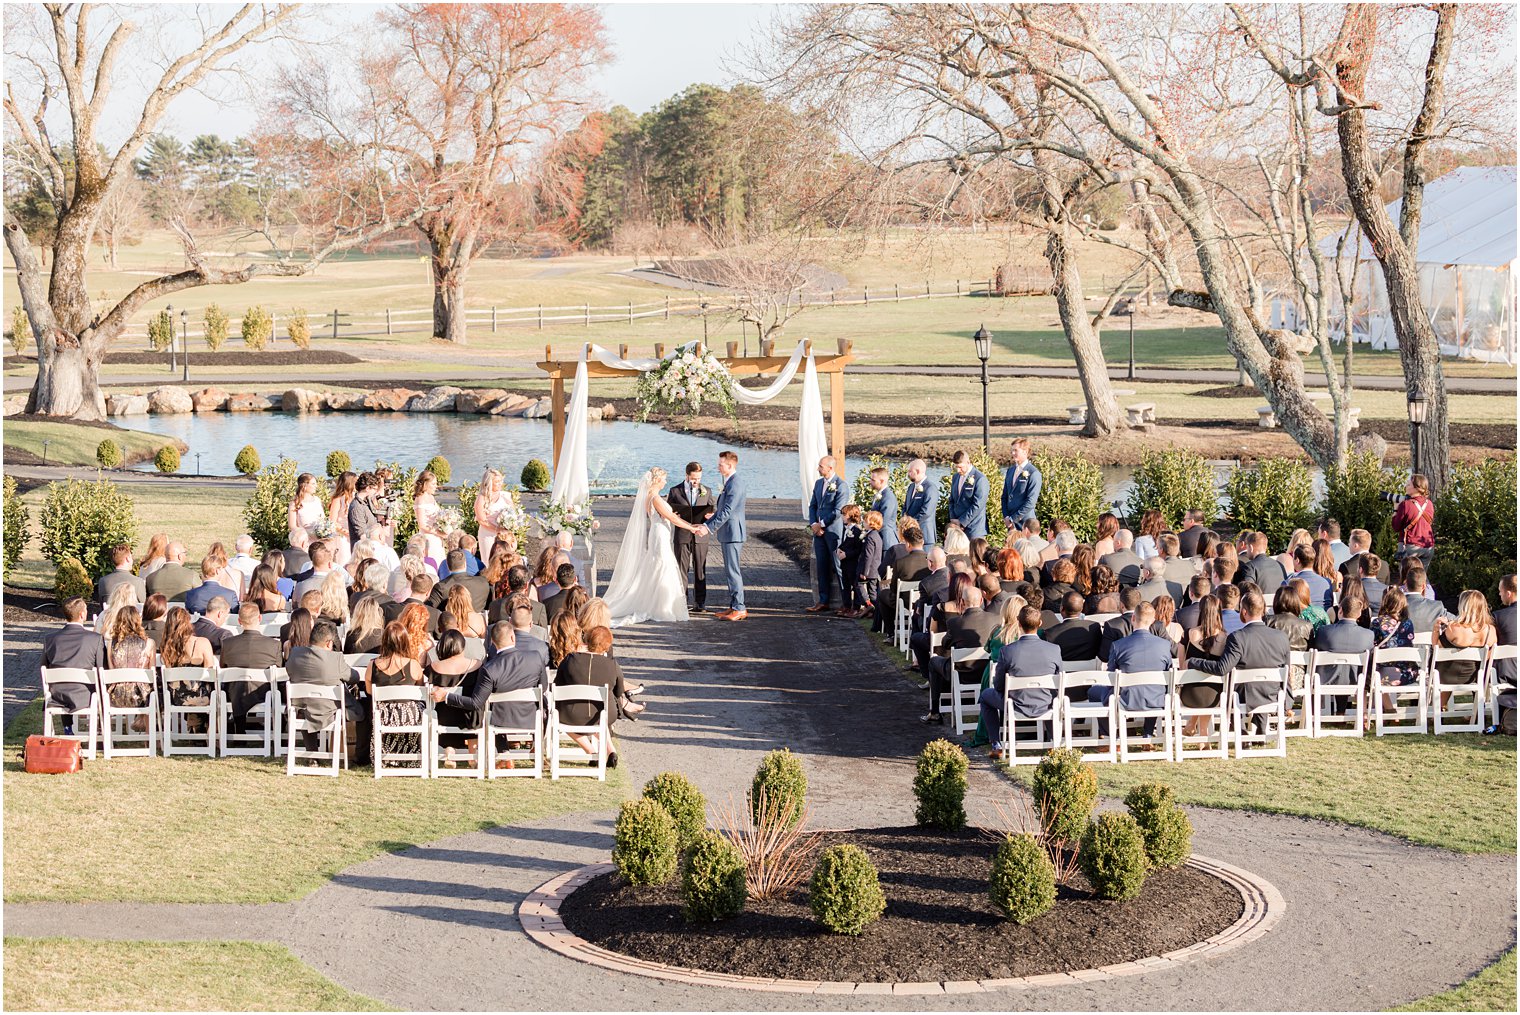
(575,519)
(682,382)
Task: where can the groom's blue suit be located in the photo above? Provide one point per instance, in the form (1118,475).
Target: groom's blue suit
(727,525)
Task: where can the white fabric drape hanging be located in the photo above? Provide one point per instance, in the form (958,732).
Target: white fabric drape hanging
(572,482)
(811,443)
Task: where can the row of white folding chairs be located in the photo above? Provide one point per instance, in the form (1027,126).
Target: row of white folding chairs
(1104,728)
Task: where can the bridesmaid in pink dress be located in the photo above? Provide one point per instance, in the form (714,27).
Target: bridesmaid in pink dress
(305,509)
(337,516)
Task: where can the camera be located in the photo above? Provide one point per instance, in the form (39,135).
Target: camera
(1392,498)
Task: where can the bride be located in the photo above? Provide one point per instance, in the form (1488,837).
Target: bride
(646,582)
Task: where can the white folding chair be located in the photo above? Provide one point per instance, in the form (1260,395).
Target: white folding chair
(468,763)
(966,688)
(1273,741)
(902,622)
(1405,709)
(1495,684)
(112,714)
(83,720)
(1101,618)
(1216,742)
(359,661)
(1462,712)
(1094,714)
(1301,699)
(334,732)
(177,717)
(559,732)
(1044,729)
(1355,714)
(248,745)
(475,648)
(419,758)
(1162,738)
(527,763)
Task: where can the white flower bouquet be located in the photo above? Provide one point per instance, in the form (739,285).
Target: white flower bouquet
(513,518)
(683,382)
(324,529)
(449,520)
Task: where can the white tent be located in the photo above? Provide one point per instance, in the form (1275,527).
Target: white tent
(1466,259)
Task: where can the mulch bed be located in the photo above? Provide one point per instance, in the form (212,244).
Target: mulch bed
(28,606)
(938,925)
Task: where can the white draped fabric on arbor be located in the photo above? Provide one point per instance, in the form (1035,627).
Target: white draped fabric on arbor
(572,481)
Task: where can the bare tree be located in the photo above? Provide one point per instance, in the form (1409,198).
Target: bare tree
(121,215)
(62,57)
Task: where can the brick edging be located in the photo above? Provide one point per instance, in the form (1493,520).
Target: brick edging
(539,916)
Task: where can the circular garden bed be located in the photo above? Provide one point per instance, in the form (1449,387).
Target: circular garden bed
(939,923)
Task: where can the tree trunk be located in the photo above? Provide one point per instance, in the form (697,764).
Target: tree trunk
(68,377)
(448,290)
(1102,407)
(1419,350)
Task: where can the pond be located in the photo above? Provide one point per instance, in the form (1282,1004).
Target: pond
(618,451)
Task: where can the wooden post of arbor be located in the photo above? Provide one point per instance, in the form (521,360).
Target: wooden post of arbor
(739,366)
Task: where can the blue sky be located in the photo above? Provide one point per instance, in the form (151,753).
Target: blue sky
(659,49)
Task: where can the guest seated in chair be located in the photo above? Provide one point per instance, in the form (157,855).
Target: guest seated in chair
(73,646)
(1026,657)
(1140,651)
(593,667)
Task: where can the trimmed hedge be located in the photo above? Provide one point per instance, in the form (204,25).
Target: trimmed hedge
(1173,481)
(1113,856)
(1168,833)
(1071,487)
(845,893)
(940,785)
(644,843)
(16,519)
(338,463)
(535,476)
(1065,790)
(72,580)
(1023,882)
(684,803)
(783,781)
(84,520)
(1274,496)
(166,459)
(247,460)
(712,880)
(108,454)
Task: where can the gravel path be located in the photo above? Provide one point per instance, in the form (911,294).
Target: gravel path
(1371,921)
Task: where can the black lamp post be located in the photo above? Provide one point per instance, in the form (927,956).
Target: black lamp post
(704,323)
(1126,308)
(983,340)
(1418,408)
(173,359)
(184,342)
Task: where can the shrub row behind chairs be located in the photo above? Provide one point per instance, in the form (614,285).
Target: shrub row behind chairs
(278,703)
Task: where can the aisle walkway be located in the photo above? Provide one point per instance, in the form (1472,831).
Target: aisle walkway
(1371,921)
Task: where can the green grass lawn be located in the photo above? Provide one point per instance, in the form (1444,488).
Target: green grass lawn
(1492,989)
(73,974)
(1456,791)
(70,444)
(196,515)
(182,829)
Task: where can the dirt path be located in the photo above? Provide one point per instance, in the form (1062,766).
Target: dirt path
(1371,921)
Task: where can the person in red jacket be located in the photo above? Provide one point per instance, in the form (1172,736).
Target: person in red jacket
(1414,521)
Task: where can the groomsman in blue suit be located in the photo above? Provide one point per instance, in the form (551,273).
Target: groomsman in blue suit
(920,501)
(829,497)
(968,497)
(1021,487)
(885,502)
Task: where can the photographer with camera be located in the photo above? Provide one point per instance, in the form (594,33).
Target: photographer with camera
(1414,520)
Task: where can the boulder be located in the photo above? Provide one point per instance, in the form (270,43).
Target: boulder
(478,400)
(210,400)
(16,404)
(609,411)
(248,401)
(539,409)
(346,401)
(126,405)
(440,399)
(167,401)
(303,400)
(511,405)
(1364,441)
(389,399)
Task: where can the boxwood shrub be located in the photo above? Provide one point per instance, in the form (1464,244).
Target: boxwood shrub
(712,880)
(684,803)
(1113,856)
(845,893)
(1065,790)
(1023,883)
(940,785)
(644,843)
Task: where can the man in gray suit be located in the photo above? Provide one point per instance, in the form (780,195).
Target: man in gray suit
(1423,613)
(1179,569)
(174,579)
(1124,560)
(1254,646)
(1138,652)
(73,646)
(1026,657)
(121,559)
(1345,635)
(317,663)
(1153,583)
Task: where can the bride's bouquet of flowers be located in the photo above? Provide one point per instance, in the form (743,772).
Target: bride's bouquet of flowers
(575,519)
(448,520)
(682,382)
(513,518)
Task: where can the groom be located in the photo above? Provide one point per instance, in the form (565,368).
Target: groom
(727,523)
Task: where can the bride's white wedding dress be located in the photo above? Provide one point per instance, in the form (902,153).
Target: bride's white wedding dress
(646,581)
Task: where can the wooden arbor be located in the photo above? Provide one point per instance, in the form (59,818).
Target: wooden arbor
(739,366)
